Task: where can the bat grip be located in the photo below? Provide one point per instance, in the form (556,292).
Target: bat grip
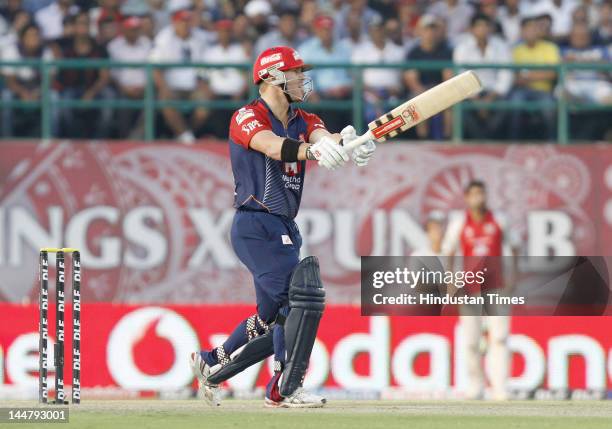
(359,140)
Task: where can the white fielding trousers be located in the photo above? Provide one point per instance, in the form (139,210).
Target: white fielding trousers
(498,356)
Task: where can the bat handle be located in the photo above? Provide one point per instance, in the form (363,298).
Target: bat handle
(359,140)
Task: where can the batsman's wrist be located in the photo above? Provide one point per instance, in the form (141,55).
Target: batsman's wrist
(309,155)
(290,150)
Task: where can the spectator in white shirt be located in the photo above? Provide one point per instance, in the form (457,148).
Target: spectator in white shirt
(354,24)
(586,85)
(108,29)
(180,42)
(4,25)
(603,33)
(50,19)
(510,19)
(592,9)
(242,34)
(432,46)
(580,15)
(381,85)
(482,47)
(258,12)
(9,9)
(330,83)
(408,15)
(82,84)
(286,33)
(560,12)
(309,11)
(544,23)
(148,26)
(393,30)
(456,14)
(20,20)
(490,8)
(23,83)
(131,46)
(107,11)
(225,83)
(360,7)
(159,14)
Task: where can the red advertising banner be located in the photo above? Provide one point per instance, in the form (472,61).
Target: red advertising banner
(147,348)
(152,220)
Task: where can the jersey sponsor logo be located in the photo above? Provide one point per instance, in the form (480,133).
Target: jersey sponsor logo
(270,59)
(243,114)
(253,125)
(292,168)
(489,228)
(481,249)
(387,127)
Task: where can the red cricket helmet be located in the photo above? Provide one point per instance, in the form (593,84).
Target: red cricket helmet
(280,58)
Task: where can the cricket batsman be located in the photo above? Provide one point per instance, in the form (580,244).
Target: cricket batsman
(270,141)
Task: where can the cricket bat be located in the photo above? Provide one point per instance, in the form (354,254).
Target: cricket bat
(420,108)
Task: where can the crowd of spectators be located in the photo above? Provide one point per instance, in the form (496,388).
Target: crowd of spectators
(324,31)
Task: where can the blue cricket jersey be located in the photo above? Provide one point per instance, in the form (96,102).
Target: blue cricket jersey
(262,183)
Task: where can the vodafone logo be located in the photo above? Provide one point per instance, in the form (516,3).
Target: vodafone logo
(123,364)
(350,352)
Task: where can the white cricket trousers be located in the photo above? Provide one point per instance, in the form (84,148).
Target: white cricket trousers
(498,356)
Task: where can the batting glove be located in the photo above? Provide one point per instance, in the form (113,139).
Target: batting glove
(329,153)
(361,154)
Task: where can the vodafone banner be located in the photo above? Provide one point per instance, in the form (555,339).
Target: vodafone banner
(147,348)
(152,220)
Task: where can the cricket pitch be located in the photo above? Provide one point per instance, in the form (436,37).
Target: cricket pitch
(175,414)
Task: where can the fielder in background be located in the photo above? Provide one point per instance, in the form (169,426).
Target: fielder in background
(270,141)
(482,238)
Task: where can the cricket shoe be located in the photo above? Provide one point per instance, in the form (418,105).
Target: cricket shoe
(299,399)
(201,370)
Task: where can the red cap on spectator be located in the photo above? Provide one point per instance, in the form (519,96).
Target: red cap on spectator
(323,21)
(131,22)
(224,24)
(182,15)
(281,58)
